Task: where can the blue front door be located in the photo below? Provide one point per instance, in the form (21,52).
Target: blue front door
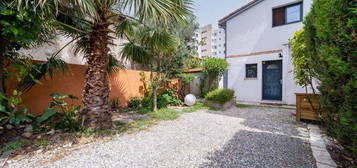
(272,80)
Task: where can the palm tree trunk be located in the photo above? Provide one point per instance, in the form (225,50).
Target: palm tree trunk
(3,44)
(96,89)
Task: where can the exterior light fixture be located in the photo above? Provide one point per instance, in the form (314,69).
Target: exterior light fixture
(280,55)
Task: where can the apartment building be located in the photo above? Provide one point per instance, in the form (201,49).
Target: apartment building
(210,42)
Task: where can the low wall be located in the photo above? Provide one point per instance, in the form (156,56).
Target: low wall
(124,84)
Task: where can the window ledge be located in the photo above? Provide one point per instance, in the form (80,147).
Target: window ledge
(287,24)
(250,78)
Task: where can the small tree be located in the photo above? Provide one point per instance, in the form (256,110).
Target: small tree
(155,48)
(303,70)
(213,70)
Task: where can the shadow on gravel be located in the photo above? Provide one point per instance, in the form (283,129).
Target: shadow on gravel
(265,119)
(259,149)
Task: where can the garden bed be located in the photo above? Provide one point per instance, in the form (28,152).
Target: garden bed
(340,155)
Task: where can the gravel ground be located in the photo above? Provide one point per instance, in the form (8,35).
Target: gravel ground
(249,137)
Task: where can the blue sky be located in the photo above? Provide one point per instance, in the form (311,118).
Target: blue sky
(210,11)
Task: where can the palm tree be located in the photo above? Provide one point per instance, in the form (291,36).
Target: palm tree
(92,24)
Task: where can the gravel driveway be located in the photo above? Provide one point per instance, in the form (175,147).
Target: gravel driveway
(247,137)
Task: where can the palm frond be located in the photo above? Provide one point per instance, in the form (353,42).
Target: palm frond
(114,65)
(127,28)
(137,53)
(159,10)
(160,40)
(81,46)
(50,7)
(41,69)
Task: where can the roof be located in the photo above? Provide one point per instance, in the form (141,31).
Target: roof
(193,70)
(238,11)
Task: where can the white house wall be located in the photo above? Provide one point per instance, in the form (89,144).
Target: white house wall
(44,51)
(252,32)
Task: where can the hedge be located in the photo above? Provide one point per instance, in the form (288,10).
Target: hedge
(328,45)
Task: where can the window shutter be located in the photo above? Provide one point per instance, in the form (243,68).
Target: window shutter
(278,16)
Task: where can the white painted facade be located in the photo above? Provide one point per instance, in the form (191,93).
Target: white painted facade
(250,35)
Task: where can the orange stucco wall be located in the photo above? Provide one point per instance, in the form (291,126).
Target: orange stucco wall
(124,84)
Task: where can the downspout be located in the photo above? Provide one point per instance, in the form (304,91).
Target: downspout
(225,77)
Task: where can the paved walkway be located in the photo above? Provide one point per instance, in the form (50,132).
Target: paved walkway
(249,137)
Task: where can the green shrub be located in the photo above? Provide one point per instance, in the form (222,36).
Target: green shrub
(147,102)
(327,46)
(134,103)
(220,95)
(60,115)
(14,113)
(166,98)
(214,66)
(213,70)
(192,62)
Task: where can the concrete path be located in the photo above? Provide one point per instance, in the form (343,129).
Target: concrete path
(319,151)
(248,137)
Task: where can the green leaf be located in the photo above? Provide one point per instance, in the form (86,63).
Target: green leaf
(58,96)
(5,23)
(17,120)
(48,113)
(2,108)
(6,12)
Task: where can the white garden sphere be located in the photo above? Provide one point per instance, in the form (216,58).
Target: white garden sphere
(190,99)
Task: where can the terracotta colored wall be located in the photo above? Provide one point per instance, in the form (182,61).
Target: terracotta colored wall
(123,85)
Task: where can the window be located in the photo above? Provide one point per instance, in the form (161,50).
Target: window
(287,14)
(251,71)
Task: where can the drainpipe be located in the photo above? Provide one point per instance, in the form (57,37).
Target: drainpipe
(225,77)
